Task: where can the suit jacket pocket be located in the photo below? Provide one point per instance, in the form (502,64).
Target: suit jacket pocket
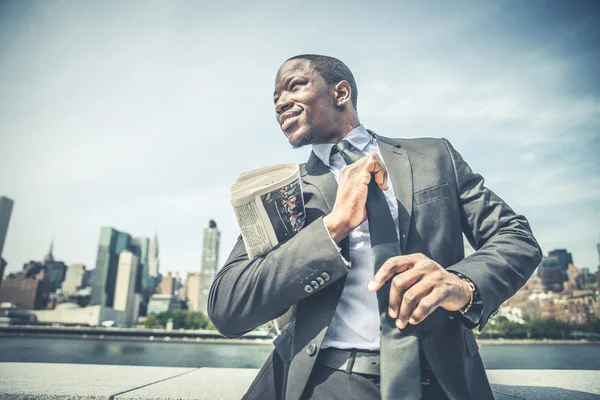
(431,194)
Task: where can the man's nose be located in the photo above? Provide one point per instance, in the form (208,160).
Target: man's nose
(283,104)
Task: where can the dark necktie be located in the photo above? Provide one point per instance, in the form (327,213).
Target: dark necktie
(399,350)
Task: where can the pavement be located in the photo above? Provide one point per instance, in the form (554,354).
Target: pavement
(86,381)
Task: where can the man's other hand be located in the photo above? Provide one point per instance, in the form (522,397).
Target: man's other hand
(419,285)
(349,210)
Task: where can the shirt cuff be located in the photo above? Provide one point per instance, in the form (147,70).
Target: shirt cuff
(339,249)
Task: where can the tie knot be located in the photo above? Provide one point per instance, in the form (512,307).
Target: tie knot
(344,147)
(340,147)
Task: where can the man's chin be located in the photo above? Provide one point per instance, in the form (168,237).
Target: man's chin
(300,139)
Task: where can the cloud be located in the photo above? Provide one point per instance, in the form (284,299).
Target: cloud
(534,140)
(195,204)
(141,115)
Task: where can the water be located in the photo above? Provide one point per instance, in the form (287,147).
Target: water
(191,354)
(541,356)
(129,352)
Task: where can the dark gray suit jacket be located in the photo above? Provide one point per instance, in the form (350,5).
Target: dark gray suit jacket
(439,198)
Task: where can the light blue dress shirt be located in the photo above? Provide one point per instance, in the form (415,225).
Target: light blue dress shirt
(355,324)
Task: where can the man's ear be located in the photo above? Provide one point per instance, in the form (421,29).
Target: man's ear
(342,93)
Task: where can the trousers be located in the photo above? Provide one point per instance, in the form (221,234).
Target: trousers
(332,384)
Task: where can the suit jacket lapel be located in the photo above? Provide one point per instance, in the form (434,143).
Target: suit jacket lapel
(319,176)
(315,312)
(398,165)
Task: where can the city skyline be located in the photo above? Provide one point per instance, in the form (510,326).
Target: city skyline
(210,263)
(141,117)
(91,267)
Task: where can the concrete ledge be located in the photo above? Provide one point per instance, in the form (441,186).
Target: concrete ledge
(541,384)
(77,381)
(201,384)
(85,381)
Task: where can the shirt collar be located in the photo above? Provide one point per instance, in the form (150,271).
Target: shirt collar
(358,137)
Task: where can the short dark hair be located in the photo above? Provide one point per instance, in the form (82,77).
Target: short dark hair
(333,71)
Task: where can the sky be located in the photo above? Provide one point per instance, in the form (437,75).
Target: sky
(141,114)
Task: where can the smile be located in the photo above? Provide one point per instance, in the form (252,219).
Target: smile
(289,119)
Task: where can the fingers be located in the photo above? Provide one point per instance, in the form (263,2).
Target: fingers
(376,167)
(401,283)
(426,306)
(355,175)
(415,290)
(369,167)
(412,297)
(393,266)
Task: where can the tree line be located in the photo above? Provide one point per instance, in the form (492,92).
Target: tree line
(502,328)
(540,328)
(181,319)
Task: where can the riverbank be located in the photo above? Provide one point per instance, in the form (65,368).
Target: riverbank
(268,341)
(205,336)
(129,334)
(137,338)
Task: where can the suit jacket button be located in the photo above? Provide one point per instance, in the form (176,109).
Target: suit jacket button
(308,289)
(326,276)
(320,280)
(311,349)
(314,284)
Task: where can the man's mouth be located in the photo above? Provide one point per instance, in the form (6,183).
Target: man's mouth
(288,119)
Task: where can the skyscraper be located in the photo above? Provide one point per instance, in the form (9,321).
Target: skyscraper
(153,263)
(140,246)
(564,259)
(56,270)
(111,244)
(126,299)
(6,206)
(167,284)
(27,289)
(551,273)
(179,291)
(210,259)
(2,267)
(192,290)
(74,278)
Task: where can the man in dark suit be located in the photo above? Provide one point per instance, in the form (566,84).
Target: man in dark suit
(332,349)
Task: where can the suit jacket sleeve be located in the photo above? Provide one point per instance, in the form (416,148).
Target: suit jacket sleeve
(248,293)
(506,251)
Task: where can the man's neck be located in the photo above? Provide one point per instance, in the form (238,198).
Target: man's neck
(344,129)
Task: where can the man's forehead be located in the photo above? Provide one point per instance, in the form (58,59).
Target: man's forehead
(293,67)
